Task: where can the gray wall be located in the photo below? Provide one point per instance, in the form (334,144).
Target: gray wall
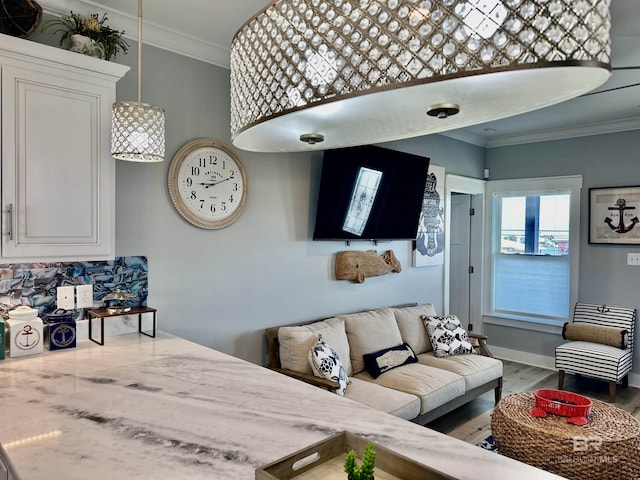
(604,161)
(222,288)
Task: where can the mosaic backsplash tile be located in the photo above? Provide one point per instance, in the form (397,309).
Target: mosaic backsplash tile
(34,284)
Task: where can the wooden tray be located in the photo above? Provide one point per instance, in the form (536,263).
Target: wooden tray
(325,461)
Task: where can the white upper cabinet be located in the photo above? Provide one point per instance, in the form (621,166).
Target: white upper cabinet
(58,176)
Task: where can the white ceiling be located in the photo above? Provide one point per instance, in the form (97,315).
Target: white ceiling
(203,29)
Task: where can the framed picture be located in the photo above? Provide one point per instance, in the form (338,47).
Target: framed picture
(614,215)
(428,247)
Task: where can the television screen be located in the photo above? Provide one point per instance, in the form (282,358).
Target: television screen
(370,193)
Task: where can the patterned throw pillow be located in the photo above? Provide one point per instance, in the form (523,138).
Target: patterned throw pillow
(326,363)
(448,337)
(379,362)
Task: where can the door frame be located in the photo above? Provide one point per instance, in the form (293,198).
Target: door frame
(476,188)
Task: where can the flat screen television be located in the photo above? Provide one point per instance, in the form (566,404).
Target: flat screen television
(370,193)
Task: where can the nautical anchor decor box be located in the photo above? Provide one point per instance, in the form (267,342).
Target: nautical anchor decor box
(25,332)
(61,329)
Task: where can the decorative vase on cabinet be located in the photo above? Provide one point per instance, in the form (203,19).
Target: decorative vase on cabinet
(58,176)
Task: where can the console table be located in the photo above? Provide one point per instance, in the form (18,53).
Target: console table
(103,313)
(607,447)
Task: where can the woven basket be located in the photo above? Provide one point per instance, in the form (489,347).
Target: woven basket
(563,403)
(608,447)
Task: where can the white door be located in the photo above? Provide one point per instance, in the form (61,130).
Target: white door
(464,231)
(459,266)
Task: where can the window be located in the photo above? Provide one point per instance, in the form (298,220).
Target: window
(534,248)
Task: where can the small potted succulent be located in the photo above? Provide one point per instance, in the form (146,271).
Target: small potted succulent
(363,471)
(89,35)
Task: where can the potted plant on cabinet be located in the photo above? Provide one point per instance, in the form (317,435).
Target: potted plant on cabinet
(363,471)
(89,35)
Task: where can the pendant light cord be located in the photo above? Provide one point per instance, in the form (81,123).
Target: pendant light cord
(139,51)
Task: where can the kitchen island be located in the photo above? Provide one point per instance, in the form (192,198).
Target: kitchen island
(166,408)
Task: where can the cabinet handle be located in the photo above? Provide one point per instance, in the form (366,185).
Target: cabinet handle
(10,220)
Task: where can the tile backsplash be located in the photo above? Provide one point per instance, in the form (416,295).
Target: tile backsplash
(34,284)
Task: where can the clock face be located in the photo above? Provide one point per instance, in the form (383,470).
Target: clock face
(207,184)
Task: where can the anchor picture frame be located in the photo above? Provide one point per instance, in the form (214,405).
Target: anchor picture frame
(614,215)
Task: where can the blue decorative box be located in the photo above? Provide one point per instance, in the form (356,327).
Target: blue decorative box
(62,329)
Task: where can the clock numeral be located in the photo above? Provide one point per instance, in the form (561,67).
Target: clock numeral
(223,206)
(213,160)
(194,195)
(213,208)
(195,171)
(189,182)
(231,198)
(202,203)
(233,174)
(202,162)
(235,187)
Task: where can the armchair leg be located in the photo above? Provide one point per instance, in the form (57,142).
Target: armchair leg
(612,392)
(625,381)
(498,391)
(560,379)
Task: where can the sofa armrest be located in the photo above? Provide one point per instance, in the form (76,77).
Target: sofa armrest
(480,343)
(309,378)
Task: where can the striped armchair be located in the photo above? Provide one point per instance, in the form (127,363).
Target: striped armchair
(599,360)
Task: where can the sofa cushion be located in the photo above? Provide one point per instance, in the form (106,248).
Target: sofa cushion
(475,369)
(412,327)
(447,335)
(325,363)
(370,332)
(433,386)
(295,343)
(400,404)
(384,360)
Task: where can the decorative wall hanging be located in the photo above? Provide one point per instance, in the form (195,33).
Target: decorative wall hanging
(614,215)
(317,74)
(358,265)
(428,248)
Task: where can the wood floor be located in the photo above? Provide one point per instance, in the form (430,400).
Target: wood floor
(472,422)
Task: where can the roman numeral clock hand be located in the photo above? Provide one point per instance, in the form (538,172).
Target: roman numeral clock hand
(197,166)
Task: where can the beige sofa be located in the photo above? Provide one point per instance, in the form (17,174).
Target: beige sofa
(419,392)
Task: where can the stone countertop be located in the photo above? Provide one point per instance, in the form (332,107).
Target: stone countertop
(167,408)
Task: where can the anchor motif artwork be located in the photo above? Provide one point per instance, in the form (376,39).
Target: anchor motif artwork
(27,338)
(614,215)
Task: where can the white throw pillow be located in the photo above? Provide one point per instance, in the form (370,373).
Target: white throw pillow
(448,337)
(326,363)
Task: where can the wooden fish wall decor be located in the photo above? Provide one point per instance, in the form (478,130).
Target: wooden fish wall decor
(358,265)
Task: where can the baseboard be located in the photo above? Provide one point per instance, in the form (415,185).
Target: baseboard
(541,361)
(525,358)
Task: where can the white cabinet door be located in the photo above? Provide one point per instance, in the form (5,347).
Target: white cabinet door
(58,176)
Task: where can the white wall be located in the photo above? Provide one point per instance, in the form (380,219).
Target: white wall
(222,288)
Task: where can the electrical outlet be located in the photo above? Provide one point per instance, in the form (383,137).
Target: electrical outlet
(84,296)
(633,259)
(65,298)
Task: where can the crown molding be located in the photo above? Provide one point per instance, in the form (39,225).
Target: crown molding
(152,34)
(585,130)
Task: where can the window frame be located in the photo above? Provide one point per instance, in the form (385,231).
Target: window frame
(523,187)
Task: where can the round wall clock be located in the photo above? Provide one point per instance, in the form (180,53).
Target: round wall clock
(207,184)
